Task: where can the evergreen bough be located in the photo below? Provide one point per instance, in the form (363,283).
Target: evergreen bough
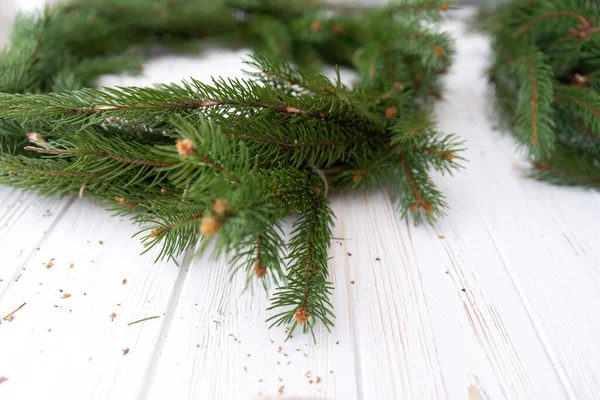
(228,160)
(545,77)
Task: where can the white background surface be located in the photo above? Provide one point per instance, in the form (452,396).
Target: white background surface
(498,301)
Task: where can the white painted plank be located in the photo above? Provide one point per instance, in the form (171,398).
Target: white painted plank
(546,235)
(70,348)
(26,220)
(219,346)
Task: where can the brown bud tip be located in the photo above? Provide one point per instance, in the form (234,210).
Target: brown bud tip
(399,86)
(157,232)
(414,207)
(185,147)
(260,270)
(373,71)
(221,206)
(357,177)
(165,191)
(449,156)
(120,200)
(439,52)
(391,112)
(315,26)
(210,226)
(579,80)
(337,29)
(428,208)
(35,137)
(302,315)
(445,7)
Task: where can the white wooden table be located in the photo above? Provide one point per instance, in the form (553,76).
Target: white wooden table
(498,301)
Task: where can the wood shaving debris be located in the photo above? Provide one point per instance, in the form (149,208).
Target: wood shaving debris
(280,390)
(3,379)
(279,349)
(442,237)
(331,371)
(71,265)
(352,282)
(112,316)
(124,282)
(245,369)
(280,380)
(126,351)
(271,340)
(197,345)
(50,264)
(10,316)
(318,379)
(65,296)
(100,242)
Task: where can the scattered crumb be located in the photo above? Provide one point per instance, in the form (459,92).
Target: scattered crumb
(271,340)
(463,289)
(100,242)
(352,282)
(112,316)
(65,296)
(245,369)
(48,213)
(278,363)
(280,390)
(8,318)
(447,272)
(17,278)
(442,237)
(124,281)
(197,345)
(377,259)
(248,355)
(318,379)
(280,379)
(279,349)
(50,330)
(305,355)
(260,380)
(350,254)
(3,379)
(307,374)
(285,355)
(50,264)
(288,363)
(118,304)
(126,351)
(40,283)
(71,265)
(85,293)
(311,381)
(338,342)
(331,371)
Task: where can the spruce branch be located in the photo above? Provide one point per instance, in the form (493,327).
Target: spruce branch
(218,165)
(544,86)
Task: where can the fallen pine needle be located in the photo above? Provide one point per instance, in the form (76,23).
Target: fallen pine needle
(10,317)
(143,319)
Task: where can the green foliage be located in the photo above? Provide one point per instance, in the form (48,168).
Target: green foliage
(225,162)
(545,83)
